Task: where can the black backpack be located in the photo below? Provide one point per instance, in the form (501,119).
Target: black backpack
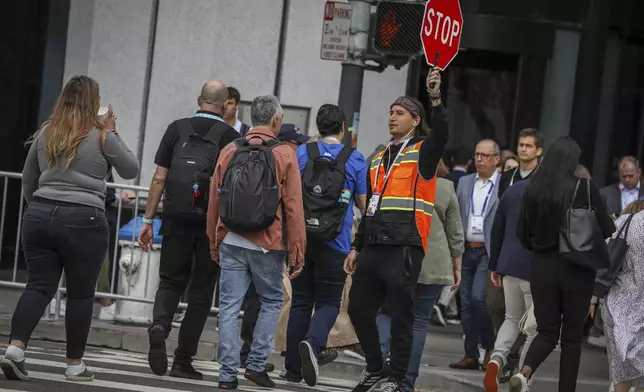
(192,166)
(249,195)
(322,187)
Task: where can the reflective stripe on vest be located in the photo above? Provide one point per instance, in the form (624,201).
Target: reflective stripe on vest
(406,204)
(399,195)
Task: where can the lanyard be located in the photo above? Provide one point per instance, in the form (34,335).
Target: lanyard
(391,165)
(487,197)
(514,173)
(210,116)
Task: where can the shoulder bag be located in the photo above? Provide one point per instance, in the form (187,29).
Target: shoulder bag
(617,248)
(580,238)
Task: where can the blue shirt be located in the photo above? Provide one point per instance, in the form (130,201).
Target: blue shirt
(355,182)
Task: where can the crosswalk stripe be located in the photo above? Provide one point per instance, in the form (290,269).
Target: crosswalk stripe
(42,362)
(101,383)
(139,363)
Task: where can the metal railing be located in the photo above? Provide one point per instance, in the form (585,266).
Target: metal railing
(15,282)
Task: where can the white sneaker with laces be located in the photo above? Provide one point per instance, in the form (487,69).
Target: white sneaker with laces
(107,313)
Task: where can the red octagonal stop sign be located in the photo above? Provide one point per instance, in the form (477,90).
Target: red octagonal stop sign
(441,31)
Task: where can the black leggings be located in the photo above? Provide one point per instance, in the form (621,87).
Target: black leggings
(561,293)
(60,236)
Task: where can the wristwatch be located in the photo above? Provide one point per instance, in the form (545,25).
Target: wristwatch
(148,220)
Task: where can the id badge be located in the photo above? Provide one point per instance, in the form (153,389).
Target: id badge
(477,224)
(373,204)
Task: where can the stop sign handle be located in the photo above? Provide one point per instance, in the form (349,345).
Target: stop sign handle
(435,63)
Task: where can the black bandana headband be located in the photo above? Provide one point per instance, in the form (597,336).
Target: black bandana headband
(407,104)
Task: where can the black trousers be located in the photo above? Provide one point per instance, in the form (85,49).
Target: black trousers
(561,293)
(385,272)
(60,236)
(185,260)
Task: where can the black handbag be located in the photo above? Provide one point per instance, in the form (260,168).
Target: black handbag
(580,237)
(617,248)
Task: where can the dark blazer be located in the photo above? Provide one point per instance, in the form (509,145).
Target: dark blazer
(507,255)
(613,198)
(455,175)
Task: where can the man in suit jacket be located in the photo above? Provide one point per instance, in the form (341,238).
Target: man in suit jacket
(619,196)
(477,198)
(460,164)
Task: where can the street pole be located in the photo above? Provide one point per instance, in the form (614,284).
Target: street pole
(353,69)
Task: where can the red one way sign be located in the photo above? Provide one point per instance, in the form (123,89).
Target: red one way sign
(441,31)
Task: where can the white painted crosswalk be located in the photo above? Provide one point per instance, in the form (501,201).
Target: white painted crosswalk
(121,371)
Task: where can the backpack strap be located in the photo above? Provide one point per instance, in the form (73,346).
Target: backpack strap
(344,155)
(312,150)
(184,126)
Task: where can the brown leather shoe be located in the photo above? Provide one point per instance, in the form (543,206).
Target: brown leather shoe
(486,359)
(466,363)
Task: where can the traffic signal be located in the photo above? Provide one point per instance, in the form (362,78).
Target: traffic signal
(397,28)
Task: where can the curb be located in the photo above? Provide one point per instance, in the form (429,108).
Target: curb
(135,341)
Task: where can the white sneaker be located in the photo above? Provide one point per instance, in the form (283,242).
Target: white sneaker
(107,313)
(518,383)
(52,307)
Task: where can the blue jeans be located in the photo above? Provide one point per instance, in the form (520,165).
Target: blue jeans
(424,301)
(475,318)
(238,267)
(320,284)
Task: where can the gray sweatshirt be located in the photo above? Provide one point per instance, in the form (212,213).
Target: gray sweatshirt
(84,181)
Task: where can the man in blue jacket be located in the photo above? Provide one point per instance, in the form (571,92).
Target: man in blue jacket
(510,268)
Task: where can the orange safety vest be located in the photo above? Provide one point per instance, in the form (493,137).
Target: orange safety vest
(404,213)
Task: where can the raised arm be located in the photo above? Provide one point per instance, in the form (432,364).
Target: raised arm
(432,148)
(120,157)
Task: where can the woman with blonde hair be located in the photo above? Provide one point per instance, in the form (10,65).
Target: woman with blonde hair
(64,226)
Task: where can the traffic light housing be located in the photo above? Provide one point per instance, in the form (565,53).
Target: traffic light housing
(397,28)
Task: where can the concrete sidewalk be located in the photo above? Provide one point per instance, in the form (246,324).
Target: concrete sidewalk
(444,346)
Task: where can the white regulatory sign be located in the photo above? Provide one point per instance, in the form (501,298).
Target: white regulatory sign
(335,31)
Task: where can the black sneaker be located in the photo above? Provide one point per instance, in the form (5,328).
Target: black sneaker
(310,371)
(157,356)
(325,359)
(14,370)
(84,376)
(260,378)
(184,370)
(290,377)
(391,386)
(368,381)
(228,384)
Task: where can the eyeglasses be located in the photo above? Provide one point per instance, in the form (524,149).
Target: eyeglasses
(484,156)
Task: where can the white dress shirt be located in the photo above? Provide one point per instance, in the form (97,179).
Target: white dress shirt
(481,190)
(629,195)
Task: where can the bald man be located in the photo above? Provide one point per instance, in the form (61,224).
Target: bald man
(619,196)
(185,159)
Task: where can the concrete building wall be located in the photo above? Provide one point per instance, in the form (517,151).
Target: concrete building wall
(108,40)
(197,40)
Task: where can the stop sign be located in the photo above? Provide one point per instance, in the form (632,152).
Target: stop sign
(441,31)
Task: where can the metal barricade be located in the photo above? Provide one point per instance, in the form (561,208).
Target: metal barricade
(17,281)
